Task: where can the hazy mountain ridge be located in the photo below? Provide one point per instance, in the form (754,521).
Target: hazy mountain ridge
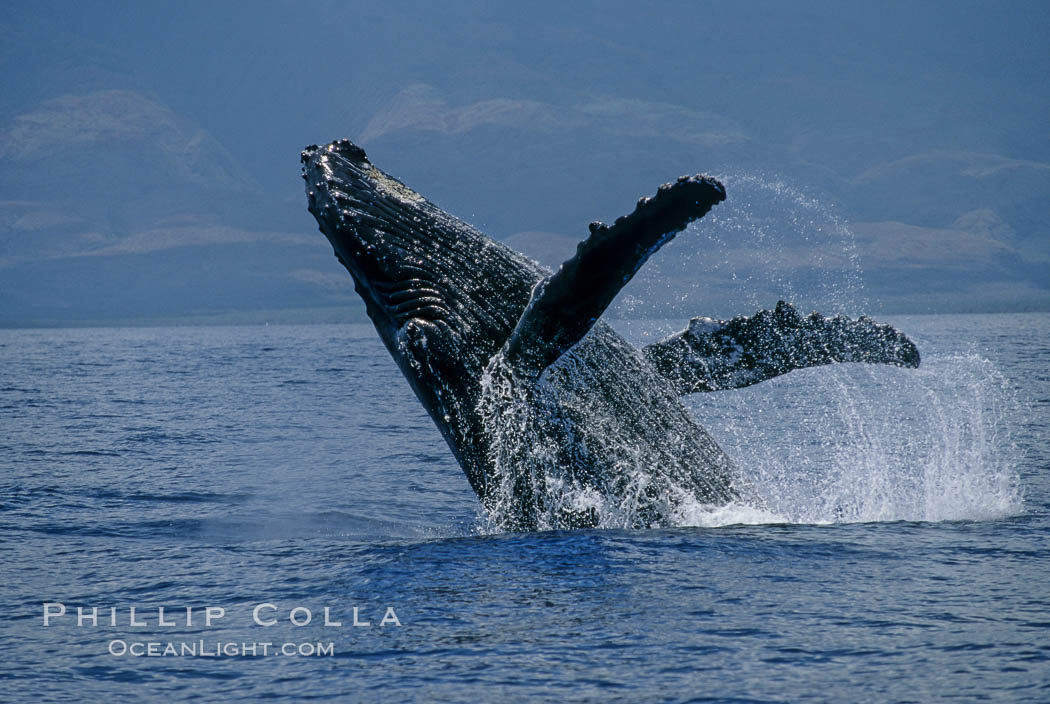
(148,161)
(953,217)
(423,108)
(112,183)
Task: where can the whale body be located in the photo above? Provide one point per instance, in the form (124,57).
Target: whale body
(556,420)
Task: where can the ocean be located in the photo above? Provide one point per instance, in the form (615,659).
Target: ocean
(267,513)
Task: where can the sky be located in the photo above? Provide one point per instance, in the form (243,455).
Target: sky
(893,157)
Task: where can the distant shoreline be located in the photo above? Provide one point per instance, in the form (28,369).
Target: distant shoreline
(355,316)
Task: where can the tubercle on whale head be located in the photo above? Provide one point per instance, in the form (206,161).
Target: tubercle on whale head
(343,147)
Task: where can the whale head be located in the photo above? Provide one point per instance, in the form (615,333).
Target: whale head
(442,296)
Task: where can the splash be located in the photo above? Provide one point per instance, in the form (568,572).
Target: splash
(850,443)
(768,241)
(834,444)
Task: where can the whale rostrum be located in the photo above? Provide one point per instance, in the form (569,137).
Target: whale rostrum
(556,420)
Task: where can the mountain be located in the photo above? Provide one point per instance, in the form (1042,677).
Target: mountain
(883,158)
(937,230)
(118,209)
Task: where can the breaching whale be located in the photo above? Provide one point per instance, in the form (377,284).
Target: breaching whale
(556,420)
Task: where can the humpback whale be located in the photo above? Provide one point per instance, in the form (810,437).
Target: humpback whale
(556,420)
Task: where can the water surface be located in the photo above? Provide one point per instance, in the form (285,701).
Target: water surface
(904,556)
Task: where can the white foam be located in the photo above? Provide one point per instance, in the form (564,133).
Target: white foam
(704,516)
(857,443)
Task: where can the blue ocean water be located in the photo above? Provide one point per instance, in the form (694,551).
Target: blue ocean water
(903,554)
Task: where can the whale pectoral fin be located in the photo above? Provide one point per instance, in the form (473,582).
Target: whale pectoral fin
(711,355)
(565,305)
